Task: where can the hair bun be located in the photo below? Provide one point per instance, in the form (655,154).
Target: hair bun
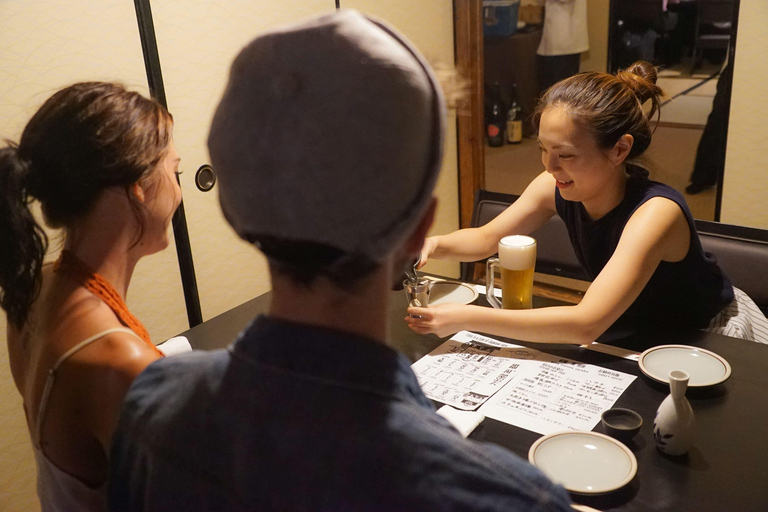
(641,78)
(644,70)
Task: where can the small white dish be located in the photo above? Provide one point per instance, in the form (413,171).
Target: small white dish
(584,462)
(705,368)
(451,291)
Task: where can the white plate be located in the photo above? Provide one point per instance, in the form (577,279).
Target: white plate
(451,291)
(584,462)
(705,368)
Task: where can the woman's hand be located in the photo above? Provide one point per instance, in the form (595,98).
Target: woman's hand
(441,319)
(430,244)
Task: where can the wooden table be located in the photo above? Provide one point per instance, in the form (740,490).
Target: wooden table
(727,470)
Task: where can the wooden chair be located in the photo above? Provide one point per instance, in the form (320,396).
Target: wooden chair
(742,253)
(554,252)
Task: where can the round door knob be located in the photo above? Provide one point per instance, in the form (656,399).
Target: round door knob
(205,178)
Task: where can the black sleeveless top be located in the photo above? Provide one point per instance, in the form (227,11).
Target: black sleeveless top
(684,294)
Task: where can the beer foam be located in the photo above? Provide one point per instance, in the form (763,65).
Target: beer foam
(517,252)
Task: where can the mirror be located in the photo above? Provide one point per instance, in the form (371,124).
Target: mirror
(688,43)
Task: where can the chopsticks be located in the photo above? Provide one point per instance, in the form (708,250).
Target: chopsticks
(613,351)
(583,508)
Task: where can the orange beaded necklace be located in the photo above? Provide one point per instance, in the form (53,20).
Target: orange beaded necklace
(100,287)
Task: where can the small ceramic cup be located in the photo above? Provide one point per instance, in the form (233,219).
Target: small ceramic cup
(621,424)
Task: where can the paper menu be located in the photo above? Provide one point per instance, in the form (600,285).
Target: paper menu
(556,394)
(518,385)
(466,370)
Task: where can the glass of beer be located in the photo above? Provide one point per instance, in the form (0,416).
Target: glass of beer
(516,261)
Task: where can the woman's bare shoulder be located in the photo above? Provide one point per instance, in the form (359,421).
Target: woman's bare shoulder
(59,319)
(105,368)
(82,316)
(117,350)
(661,223)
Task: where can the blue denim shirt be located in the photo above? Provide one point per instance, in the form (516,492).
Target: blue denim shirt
(298,418)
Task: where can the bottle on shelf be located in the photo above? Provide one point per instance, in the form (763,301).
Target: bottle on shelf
(496,123)
(514,119)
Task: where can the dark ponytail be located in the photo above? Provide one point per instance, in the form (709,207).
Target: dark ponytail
(23,243)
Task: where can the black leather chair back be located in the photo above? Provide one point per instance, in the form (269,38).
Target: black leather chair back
(742,253)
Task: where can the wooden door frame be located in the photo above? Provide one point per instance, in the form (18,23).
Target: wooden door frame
(468,41)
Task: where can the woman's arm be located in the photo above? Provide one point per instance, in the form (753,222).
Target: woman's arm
(657,231)
(534,207)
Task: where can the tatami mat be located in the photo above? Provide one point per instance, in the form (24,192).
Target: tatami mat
(675,86)
(683,69)
(687,110)
(668,73)
(708,88)
(689,86)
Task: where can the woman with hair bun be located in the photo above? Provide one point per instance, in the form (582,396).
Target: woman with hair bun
(101,162)
(635,238)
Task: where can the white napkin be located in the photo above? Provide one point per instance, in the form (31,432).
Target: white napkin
(173,346)
(464,421)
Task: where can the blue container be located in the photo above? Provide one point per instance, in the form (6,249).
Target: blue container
(500,17)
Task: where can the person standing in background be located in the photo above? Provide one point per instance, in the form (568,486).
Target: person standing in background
(710,154)
(564,39)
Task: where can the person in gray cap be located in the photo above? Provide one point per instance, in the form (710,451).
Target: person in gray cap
(327,144)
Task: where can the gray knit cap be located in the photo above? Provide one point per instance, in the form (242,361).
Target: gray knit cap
(330,131)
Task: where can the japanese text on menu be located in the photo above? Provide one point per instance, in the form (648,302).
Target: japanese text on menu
(517,385)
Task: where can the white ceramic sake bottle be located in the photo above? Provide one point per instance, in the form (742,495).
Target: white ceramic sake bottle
(674,426)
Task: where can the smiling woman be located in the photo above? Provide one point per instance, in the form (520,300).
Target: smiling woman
(635,238)
(593,123)
(582,171)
